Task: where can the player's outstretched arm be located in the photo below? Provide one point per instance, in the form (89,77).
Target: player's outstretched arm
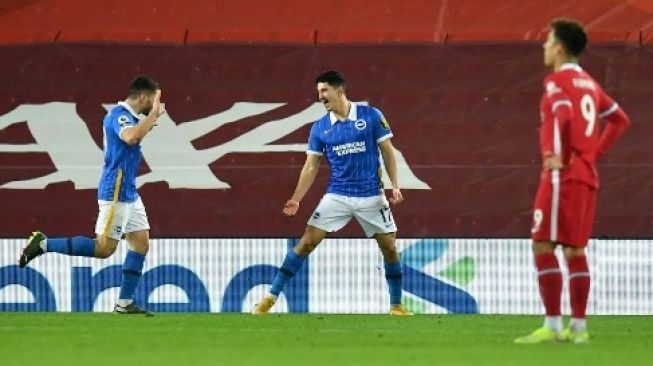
(135,134)
(390,163)
(306,179)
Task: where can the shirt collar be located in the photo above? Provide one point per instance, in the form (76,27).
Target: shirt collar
(353,115)
(571,66)
(129,109)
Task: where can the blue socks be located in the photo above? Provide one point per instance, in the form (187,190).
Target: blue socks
(132,268)
(293,262)
(132,271)
(394,276)
(77,246)
(290,266)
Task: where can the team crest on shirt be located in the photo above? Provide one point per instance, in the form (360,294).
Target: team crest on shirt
(123,120)
(552,88)
(360,124)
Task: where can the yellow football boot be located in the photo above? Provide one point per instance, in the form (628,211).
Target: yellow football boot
(264,306)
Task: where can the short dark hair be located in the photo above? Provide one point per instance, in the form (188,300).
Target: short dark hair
(570,34)
(331,77)
(143,83)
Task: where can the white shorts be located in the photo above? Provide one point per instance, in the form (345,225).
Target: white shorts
(335,211)
(118,218)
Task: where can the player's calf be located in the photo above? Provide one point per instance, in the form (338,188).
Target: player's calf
(38,244)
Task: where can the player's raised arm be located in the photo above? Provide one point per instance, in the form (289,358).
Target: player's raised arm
(390,164)
(152,107)
(306,179)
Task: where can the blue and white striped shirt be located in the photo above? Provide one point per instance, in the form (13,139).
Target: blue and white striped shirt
(121,161)
(351,148)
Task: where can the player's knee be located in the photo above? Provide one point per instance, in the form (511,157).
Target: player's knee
(392,249)
(306,247)
(139,242)
(574,252)
(540,247)
(104,251)
(141,248)
(307,244)
(105,247)
(386,242)
(309,241)
(388,247)
(390,254)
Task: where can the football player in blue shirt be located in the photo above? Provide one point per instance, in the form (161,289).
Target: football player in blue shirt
(351,137)
(121,209)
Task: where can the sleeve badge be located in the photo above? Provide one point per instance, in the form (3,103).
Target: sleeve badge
(123,120)
(384,123)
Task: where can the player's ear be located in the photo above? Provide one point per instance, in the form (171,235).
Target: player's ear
(559,48)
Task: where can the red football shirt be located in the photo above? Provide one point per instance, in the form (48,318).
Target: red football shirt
(571,107)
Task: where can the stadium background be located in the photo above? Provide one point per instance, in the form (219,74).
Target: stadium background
(459,81)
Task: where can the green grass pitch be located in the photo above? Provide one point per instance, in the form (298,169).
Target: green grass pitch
(51,339)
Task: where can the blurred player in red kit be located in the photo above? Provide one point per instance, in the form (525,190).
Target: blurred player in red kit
(570,143)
